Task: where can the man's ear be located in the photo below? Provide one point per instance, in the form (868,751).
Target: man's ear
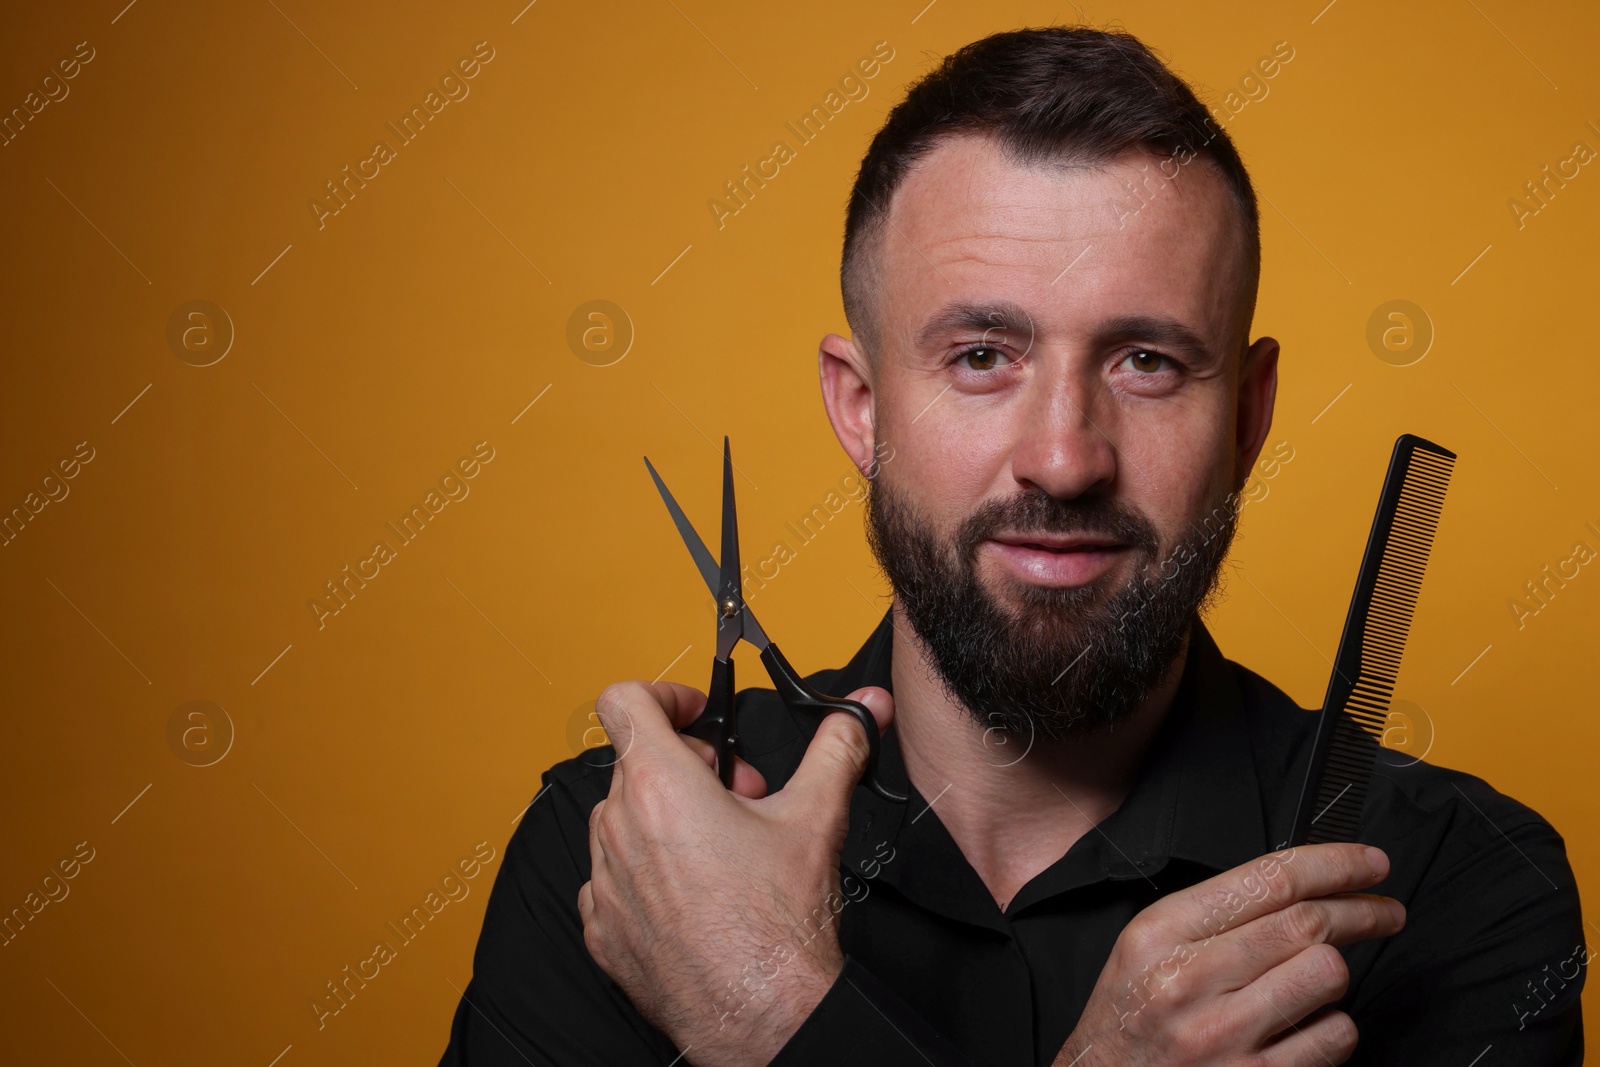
(1258,392)
(847,395)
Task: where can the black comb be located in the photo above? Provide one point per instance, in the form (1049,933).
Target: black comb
(1357,704)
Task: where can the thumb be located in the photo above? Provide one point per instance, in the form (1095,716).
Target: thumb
(879,701)
(838,754)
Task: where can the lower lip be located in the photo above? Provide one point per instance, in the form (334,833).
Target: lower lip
(1067,569)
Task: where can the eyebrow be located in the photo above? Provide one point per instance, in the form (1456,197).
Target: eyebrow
(952,318)
(1169,333)
(1009,317)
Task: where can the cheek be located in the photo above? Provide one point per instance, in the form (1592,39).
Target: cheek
(1180,471)
(948,459)
(1205,474)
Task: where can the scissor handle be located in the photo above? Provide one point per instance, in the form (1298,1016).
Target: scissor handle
(799,696)
(716,723)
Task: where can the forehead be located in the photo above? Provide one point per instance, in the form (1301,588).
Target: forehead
(1072,244)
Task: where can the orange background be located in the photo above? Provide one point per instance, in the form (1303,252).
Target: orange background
(371,354)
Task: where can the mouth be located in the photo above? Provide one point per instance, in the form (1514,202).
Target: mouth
(1058,543)
(1058,561)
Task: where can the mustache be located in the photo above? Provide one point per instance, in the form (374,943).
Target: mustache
(1035,511)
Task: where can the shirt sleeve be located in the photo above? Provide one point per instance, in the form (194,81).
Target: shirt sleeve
(861,1022)
(1495,961)
(536,995)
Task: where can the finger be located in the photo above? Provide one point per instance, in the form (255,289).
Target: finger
(1258,946)
(747,781)
(1329,1038)
(1277,1001)
(683,703)
(637,716)
(597,854)
(703,749)
(1272,883)
(831,766)
(586,902)
(879,701)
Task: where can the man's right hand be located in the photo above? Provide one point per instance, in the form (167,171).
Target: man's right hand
(1227,971)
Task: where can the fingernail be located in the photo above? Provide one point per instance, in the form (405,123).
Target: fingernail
(876,701)
(1398,910)
(1377,861)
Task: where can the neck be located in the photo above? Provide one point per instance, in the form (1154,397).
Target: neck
(1013,806)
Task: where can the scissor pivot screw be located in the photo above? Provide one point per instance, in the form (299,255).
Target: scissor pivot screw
(730,607)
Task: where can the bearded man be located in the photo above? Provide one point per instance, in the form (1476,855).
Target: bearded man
(1050,268)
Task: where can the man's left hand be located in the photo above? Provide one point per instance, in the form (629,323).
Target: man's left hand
(713,909)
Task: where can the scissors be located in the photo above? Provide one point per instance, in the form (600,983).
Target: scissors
(717,724)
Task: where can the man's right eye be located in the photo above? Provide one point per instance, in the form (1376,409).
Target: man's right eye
(982,356)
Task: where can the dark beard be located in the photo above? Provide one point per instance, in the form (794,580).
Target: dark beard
(1068,661)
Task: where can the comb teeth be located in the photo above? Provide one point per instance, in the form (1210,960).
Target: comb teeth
(1373,642)
(1336,814)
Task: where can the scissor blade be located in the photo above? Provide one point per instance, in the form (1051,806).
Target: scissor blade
(710,573)
(697,548)
(730,531)
(730,597)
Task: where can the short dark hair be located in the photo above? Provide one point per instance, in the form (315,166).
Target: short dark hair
(1052,94)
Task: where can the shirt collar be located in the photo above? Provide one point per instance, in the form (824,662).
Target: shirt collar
(1196,798)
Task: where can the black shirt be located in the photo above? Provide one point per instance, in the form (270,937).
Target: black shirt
(1490,963)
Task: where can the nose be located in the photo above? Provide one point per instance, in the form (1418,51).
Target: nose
(1061,447)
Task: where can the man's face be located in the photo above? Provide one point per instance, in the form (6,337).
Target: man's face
(1060,382)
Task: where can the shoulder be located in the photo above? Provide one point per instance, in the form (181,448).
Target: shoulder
(585,778)
(1461,847)
(547,855)
(1493,950)
(1466,859)
(1410,800)
(1489,891)
(1493,947)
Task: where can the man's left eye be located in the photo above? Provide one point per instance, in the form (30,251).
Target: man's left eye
(1146,361)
